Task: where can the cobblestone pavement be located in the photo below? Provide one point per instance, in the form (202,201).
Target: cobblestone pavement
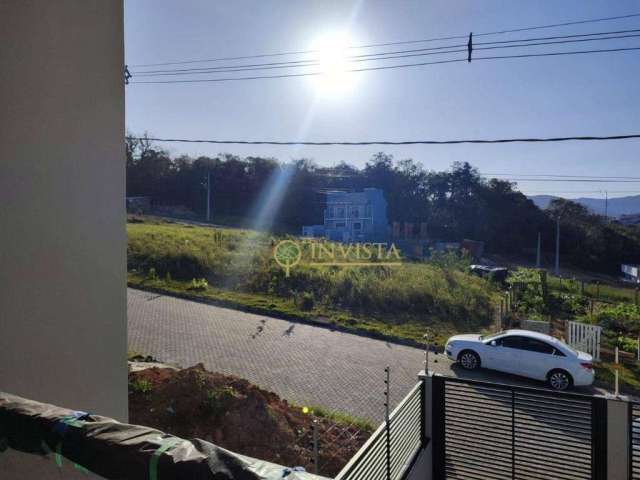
(304,364)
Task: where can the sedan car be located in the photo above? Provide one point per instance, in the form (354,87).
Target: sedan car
(526,353)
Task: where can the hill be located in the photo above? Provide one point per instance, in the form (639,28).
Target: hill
(617,206)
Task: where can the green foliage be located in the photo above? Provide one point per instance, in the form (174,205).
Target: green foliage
(216,399)
(411,293)
(620,317)
(306,301)
(532,301)
(140,385)
(450,260)
(199,284)
(342,418)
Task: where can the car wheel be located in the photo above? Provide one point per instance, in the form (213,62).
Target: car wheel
(469,360)
(559,380)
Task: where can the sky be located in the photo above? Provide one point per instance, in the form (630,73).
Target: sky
(596,94)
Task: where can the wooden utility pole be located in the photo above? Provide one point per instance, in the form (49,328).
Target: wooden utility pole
(208,196)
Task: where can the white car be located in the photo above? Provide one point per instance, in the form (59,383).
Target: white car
(522,352)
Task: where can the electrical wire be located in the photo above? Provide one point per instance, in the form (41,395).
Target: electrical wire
(405,42)
(579,180)
(620,34)
(387,67)
(410,142)
(553,175)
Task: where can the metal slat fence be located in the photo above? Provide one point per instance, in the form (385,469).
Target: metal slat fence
(634,443)
(378,457)
(500,432)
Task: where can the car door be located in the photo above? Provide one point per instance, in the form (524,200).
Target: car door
(537,358)
(504,355)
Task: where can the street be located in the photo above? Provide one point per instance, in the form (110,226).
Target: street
(304,364)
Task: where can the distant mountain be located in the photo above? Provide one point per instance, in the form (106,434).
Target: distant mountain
(617,206)
(633,219)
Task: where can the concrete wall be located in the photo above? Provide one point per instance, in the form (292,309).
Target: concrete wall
(62,213)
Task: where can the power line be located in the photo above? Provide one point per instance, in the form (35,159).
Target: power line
(551,192)
(387,67)
(405,42)
(579,180)
(398,54)
(553,175)
(410,142)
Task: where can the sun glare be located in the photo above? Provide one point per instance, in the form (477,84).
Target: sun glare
(331,52)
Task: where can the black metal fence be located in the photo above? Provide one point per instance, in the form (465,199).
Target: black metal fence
(489,431)
(389,453)
(634,441)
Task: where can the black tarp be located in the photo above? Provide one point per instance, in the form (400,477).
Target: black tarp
(115,450)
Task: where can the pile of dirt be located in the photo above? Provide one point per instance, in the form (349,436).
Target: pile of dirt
(236,415)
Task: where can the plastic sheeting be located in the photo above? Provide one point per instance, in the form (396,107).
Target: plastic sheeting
(115,450)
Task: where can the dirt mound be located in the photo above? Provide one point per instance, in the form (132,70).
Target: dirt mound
(232,413)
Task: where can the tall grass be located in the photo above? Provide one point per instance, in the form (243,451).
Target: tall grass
(242,261)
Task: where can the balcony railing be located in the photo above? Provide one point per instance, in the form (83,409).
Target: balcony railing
(391,450)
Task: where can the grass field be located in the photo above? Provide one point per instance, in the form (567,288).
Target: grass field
(236,267)
(601,292)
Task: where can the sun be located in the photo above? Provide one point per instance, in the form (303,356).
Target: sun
(331,53)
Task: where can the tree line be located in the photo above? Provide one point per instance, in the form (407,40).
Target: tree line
(455,204)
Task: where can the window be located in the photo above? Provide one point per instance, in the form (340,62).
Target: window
(330,212)
(367,210)
(511,342)
(340,213)
(339,224)
(538,346)
(355,212)
(357,226)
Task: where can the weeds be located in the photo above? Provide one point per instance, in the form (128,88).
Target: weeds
(140,385)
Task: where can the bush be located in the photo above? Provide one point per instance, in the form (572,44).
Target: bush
(306,301)
(216,400)
(140,385)
(199,284)
(621,317)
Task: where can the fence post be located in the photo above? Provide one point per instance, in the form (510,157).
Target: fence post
(582,288)
(387,422)
(437,426)
(599,439)
(314,425)
(598,289)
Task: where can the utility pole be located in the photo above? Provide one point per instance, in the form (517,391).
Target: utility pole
(606,205)
(208,196)
(558,246)
(538,252)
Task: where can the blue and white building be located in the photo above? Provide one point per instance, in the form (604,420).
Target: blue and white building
(353,217)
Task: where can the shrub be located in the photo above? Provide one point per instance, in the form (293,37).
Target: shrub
(140,385)
(306,301)
(215,400)
(199,284)
(621,317)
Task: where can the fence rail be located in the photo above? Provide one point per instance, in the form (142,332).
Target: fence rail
(382,458)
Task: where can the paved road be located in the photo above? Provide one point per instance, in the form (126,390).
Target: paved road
(304,364)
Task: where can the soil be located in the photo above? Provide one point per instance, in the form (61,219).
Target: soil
(236,415)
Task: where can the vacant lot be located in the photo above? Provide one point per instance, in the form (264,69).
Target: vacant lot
(237,267)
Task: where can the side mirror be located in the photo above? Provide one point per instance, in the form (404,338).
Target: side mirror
(493,343)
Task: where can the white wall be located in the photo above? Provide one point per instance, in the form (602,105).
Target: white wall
(62,186)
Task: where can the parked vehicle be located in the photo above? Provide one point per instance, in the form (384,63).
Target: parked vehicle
(526,353)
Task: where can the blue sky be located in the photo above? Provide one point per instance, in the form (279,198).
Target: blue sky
(552,96)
